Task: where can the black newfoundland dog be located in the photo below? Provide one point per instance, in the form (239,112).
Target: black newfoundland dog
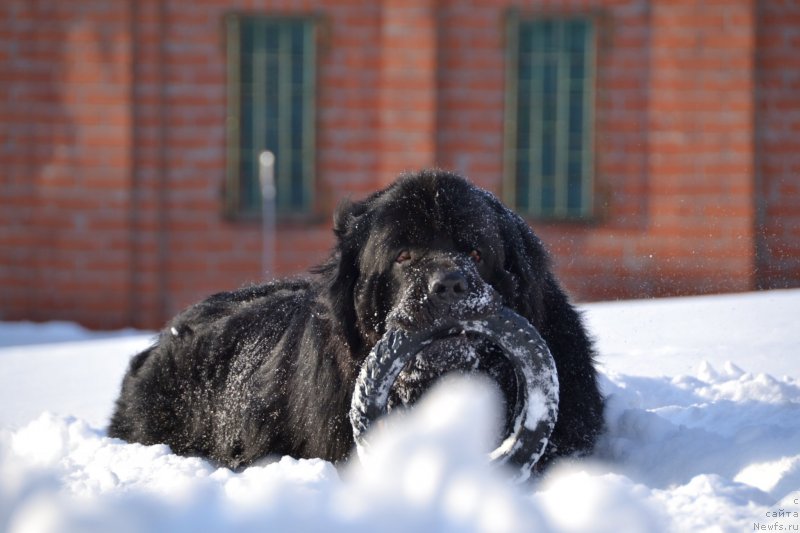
(271,369)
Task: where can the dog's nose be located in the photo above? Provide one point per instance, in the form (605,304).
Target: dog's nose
(447,286)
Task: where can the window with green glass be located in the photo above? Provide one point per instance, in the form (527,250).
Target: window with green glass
(549,156)
(271,94)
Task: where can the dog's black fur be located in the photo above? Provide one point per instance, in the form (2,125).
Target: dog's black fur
(270,369)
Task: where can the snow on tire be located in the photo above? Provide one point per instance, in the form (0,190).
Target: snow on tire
(536,407)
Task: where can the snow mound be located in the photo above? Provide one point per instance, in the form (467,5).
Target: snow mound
(715,450)
(665,431)
(689,445)
(427,471)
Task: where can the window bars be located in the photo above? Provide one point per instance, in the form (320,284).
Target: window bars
(549,152)
(271,106)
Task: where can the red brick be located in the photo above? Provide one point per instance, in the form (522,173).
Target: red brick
(675,155)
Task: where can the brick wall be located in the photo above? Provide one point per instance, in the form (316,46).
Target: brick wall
(778,143)
(112,144)
(65,154)
(701,161)
(408,103)
(674,148)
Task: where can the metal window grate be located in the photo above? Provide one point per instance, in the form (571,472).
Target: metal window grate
(550,117)
(271,93)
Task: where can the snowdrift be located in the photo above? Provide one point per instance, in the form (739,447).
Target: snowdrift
(703,433)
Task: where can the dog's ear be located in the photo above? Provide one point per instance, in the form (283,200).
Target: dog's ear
(345,215)
(526,261)
(342,270)
(538,294)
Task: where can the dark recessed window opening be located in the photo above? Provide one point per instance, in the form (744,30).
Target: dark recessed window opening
(271,96)
(549,156)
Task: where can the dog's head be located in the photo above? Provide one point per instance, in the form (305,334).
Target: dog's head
(432,246)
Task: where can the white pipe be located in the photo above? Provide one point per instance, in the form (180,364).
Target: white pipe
(266,175)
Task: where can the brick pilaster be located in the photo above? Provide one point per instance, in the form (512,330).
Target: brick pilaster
(408,86)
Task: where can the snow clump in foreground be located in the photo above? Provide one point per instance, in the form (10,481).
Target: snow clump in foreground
(712,449)
(718,450)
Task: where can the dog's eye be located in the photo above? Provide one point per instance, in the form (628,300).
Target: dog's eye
(402,257)
(475,255)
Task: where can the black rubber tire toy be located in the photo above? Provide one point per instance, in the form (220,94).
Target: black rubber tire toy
(536,407)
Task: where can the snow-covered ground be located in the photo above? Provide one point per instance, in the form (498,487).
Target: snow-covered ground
(703,434)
